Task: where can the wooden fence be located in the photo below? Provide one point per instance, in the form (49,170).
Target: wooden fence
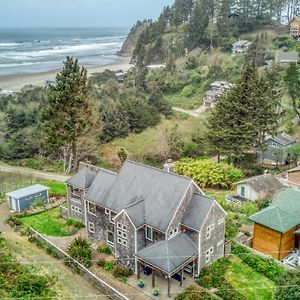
(108,290)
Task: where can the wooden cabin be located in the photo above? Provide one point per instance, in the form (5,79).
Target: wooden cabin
(275,227)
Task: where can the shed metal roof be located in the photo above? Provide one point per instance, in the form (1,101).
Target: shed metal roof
(169,255)
(27,191)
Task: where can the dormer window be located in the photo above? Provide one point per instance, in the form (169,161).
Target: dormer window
(149,233)
(173,231)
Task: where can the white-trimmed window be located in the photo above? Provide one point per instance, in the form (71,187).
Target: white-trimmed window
(110,238)
(220,243)
(209,229)
(173,231)
(149,233)
(92,208)
(107,211)
(76,209)
(91,227)
(221,221)
(274,144)
(122,234)
(211,250)
(38,195)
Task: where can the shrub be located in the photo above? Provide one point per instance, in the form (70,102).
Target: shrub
(195,293)
(101,260)
(266,266)
(74,223)
(108,265)
(208,174)
(292,279)
(104,248)
(188,91)
(80,249)
(249,208)
(52,251)
(39,202)
(120,271)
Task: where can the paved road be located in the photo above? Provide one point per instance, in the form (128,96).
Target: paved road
(193,113)
(35,173)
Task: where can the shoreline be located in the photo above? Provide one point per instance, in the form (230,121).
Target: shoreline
(15,82)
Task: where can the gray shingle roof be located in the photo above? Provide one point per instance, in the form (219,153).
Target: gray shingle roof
(161,191)
(136,213)
(83,178)
(267,183)
(284,139)
(169,255)
(27,191)
(101,185)
(197,211)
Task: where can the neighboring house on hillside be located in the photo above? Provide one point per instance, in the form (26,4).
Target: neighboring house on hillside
(151,218)
(217,89)
(275,150)
(22,199)
(241,47)
(295,27)
(276,228)
(259,187)
(285,58)
(290,178)
(27,88)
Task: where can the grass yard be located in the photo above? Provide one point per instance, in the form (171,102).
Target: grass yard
(248,282)
(56,188)
(192,102)
(51,223)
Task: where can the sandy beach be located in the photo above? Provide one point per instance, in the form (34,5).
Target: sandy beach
(17,81)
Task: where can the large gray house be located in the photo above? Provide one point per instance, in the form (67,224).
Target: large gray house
(149,217)
(275,150)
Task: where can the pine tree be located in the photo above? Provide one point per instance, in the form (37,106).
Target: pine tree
(69,118)
(292,79)
(244,116)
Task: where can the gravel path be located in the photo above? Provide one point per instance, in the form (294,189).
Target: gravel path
(193,113)
(35,173)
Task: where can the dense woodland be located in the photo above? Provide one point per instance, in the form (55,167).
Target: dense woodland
(69,121)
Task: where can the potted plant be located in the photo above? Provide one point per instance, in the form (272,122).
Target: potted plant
(155,291)
(141,283)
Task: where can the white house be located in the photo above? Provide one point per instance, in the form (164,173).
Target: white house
(259,187)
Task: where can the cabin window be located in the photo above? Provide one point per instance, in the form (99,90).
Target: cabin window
(149,233)
(91,227)
(38,195)
(110,238)
(92,208)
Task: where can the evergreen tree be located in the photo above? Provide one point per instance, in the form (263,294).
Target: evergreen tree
(182,10)
(292,79)
(69,118)
(244,116)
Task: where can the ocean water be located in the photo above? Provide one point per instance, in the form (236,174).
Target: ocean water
(41,50)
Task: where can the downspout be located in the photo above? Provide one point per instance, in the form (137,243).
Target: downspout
(280,244)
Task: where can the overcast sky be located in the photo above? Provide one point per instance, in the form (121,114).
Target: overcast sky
(77,13)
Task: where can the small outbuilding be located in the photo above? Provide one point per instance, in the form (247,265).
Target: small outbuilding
(22,199)
(259,187)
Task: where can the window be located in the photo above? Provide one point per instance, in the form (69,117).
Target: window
(211,250)
(110,238)
(173,231)
(91,227)
(111,217)
(92,208)
(220,243)
(38,195)
(243,191)
(221,221)
(122,234)
(149,233)
(124,243)
(274,144)
(106,211)
(207,256)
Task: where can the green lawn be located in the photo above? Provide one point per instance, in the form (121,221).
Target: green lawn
(50,223)
(56,188)
(249,283)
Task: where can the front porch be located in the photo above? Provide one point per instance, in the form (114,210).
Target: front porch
(168,263)
(175,287)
